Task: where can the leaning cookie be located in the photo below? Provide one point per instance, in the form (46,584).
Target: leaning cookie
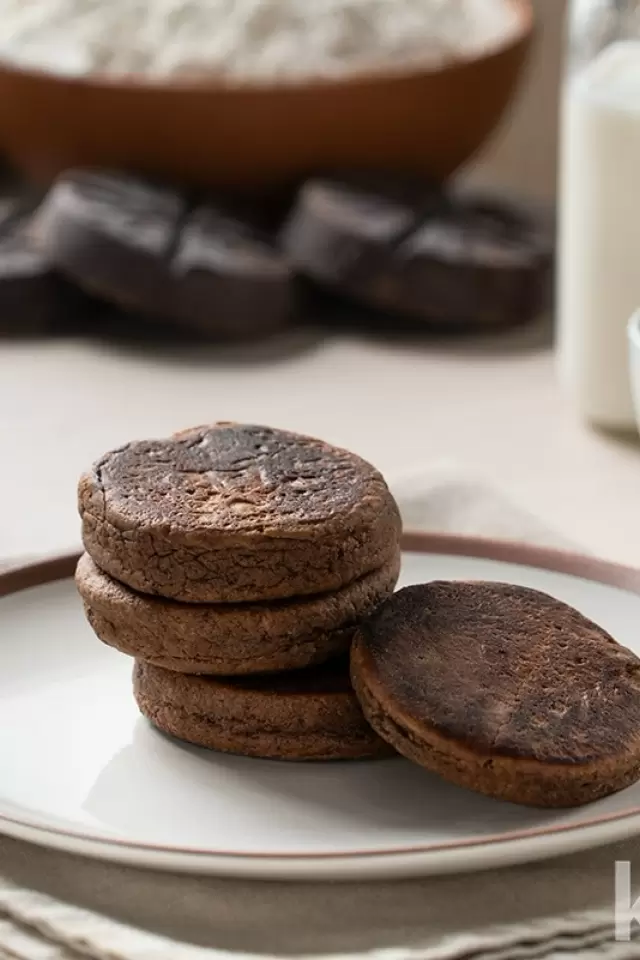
(228,638)
(503,690)
(309,714)
(234,513)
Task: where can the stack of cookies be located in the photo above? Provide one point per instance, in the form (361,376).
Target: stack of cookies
(234,563)
(250,572)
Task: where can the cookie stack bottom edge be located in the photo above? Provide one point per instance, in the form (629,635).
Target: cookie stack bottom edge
(305,715)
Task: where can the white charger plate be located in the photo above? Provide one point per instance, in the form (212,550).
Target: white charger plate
(82,772)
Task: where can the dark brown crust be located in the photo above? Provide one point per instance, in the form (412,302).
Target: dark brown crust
(504,778)
(308,715)
(233,513)
(503,690)
(226,638)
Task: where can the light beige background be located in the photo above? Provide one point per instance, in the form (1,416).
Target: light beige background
(522,156)
(492,407)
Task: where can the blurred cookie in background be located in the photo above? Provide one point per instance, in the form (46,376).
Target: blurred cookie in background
(161,253)
(441,260)
(34,298)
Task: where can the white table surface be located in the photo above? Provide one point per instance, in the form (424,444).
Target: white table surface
(495,410)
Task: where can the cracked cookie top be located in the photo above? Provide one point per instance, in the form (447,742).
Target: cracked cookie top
(318,515)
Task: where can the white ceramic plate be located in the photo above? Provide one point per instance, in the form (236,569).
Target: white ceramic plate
(81,771)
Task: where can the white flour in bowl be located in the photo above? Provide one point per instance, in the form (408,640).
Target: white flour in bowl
(247,39)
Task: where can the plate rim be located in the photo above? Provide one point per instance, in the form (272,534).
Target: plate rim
(503,847)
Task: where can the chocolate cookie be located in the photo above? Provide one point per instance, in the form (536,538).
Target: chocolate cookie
(441,259)
(33,297)
(226,638)
(501,689)
(309,714)
(232,513)
(155,251)
(342,232)
(228,279)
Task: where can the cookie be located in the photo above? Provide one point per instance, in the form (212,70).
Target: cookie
(153,250)
(229,279)
(308,714)
(441,259)
(503,690)
(34,298)
(232,513)
(479,262)
(341,232)
(226,638)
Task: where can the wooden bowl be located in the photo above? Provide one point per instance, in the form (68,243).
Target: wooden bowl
(257,135)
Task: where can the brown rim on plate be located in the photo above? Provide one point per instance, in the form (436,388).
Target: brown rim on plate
(573,564)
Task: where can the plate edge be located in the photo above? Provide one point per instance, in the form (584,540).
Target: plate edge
(62,566)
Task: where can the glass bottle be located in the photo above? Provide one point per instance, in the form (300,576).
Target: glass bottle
(599,208)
